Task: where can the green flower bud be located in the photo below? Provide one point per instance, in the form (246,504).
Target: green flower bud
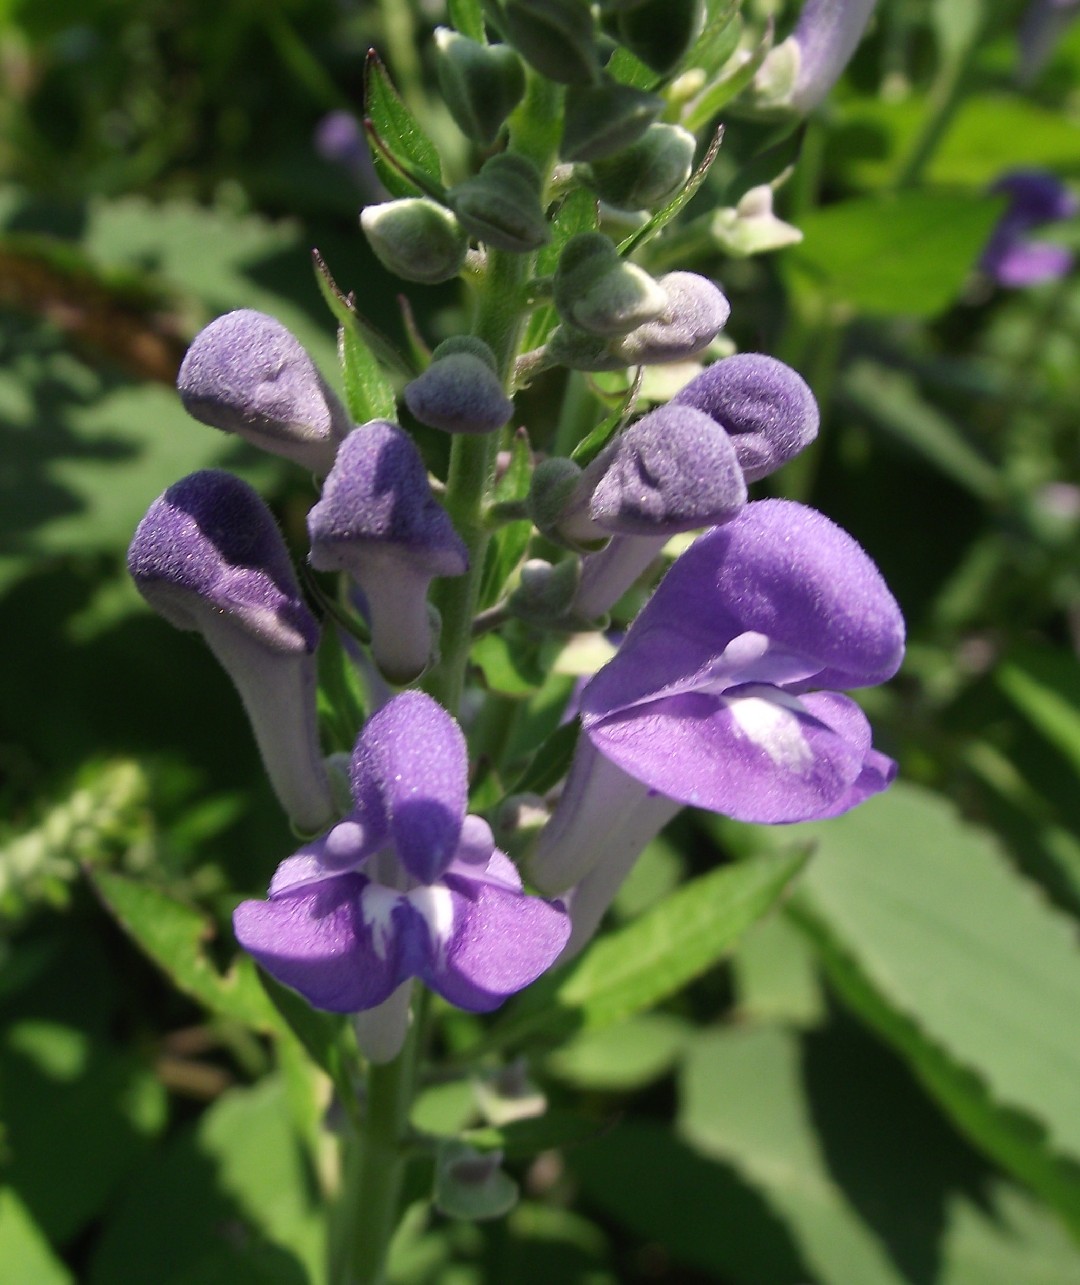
(751,227)
(481,84)
(601,120)
(545,590)
(601,293)
(648,172)
(501,204)
(660,32)
(415,239)
(557,37)
(553,489)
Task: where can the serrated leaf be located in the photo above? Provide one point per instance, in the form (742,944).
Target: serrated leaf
(174,935)
(961,963)
(399,132)
(633,969)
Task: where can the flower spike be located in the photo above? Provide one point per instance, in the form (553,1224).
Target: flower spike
(208,557)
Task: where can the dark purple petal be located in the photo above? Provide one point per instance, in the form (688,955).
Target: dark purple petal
(459,393)
(325,941)
(674,470)
(411,765)
(246,373)
(211,544)
(489,941)
(764,405)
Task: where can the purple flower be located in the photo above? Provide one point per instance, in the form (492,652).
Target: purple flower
(208,557)
(825,36)
(378,521)
(719,695)
(1011,257)
(434,898)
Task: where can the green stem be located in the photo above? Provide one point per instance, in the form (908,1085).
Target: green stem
(942,102)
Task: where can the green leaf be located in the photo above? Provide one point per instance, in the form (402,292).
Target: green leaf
(526,1138)
(658,221)
(321,1034)
(723,88)
(892,401)
(24,1251)
(174,936)
(367,348)
(509,544)
(618,1058)
(467,16)
(415,168)
(633,969)
(776,975)
(230,1200)
(1045,688)
(930,934)
(904,254)
(578,212)
(551,762)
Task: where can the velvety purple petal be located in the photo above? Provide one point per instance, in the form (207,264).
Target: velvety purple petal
(844,716)
(674,470)
(696,312)
(377,493)
(826,34)
(490,942)
(754,754)
(210,543)
(766,407)
(411,761)
(317,940)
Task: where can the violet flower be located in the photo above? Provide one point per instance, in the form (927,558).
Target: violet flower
(208,557)
(378,521)
(1011,257)
(825,37)
(245,373)
(434,898)
(720,695)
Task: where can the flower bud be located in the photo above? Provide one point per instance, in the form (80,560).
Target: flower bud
(378,521)
(695,314)
(415,239)
(501,205)
(751,227)
(660,32)
(764,406)
(600,292)
(546,590)
(555,486)
(648,172)
(557,37)
(481,84)
(460,391)
(245,373)
(603,119)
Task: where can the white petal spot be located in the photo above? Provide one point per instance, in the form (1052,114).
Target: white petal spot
(377,909)
(435,905)
(771,723)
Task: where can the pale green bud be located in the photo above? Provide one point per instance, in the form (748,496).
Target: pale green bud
(600,292)
(501,205)
(481,84)
(647,173)
(416,239)
(751,227)
(603,119)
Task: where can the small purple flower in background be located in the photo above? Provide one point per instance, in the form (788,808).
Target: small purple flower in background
(719,696)
(1042,26)
(208,557)
(1011,257)
(339,139)
(435,899)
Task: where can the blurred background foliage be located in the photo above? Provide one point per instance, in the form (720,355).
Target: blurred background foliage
(884,1083)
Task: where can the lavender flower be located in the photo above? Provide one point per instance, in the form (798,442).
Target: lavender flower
(349,939)
(765,406)
(245,373)
(1011,257)
(825,37)
(719,695)
(208,557)
(378,521)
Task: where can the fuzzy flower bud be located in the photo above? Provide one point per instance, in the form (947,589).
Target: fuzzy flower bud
(660,32)
(415,239)
(765,407)
(460,391)
(695,314)
(481,84)
(378,521)
(501,204)
(208,557)
(603,119)
(245,373)
(601,293)
(648,172)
